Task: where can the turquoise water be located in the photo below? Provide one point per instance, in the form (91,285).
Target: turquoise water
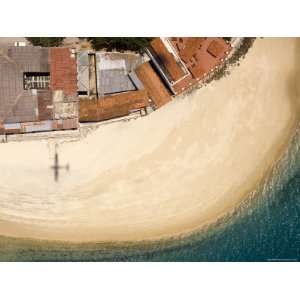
(265,228)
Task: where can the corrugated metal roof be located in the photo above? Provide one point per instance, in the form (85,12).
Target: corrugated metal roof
(113,81)
(114,106)
(17,104)
(166,60)
(136,81)
(30,59)
(83,71)
(70,123)
(105,63)
(153,85)
(31,106)
(63,71)
(65,124)
(45,105)
(12,126)
(37,126)
(83,58)
(112,75)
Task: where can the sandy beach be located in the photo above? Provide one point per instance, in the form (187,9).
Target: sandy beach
(172,172)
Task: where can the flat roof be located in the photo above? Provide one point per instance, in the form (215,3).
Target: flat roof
(201,55)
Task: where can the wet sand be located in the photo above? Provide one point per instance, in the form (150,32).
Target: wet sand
(175,171)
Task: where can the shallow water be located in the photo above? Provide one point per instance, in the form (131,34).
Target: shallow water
(265,228)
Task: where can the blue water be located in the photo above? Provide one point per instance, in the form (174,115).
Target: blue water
(265,228)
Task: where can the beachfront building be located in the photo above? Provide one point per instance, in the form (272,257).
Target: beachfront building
(38,89)
(108,86)
(44,89)
(183,62)
(158,92)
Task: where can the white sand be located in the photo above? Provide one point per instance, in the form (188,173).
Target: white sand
(172,172)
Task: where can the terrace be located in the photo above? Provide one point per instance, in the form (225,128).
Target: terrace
(182,62)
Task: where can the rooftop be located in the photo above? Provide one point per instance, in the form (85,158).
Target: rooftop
(16,103)
(201,55)
(167,60)
(182,62)
(63,71)
(112,75)
(113,106)
(106,73)
(30,78)
(39,87)
(154,86)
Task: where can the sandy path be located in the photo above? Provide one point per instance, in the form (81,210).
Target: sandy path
(174,171)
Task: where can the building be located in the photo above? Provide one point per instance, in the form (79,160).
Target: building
(183,62)
(155,87)
(43,89)
(103,73)
(113,106)
(108,86)
(38,89)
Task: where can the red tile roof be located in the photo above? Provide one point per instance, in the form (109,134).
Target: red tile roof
(63,71)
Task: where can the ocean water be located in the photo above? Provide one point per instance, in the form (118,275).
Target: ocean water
(266,227)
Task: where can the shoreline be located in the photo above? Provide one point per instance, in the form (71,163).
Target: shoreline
(41,228)
(167,239)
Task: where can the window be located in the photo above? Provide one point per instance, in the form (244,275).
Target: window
(82,93)
(36,80)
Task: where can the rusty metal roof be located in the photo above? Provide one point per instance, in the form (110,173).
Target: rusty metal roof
(113,106)
(154,86)
(63,70)
(18,105)
(30,59)
(166,60)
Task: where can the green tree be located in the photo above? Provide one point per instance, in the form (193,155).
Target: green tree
(46,41)
(136,44)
